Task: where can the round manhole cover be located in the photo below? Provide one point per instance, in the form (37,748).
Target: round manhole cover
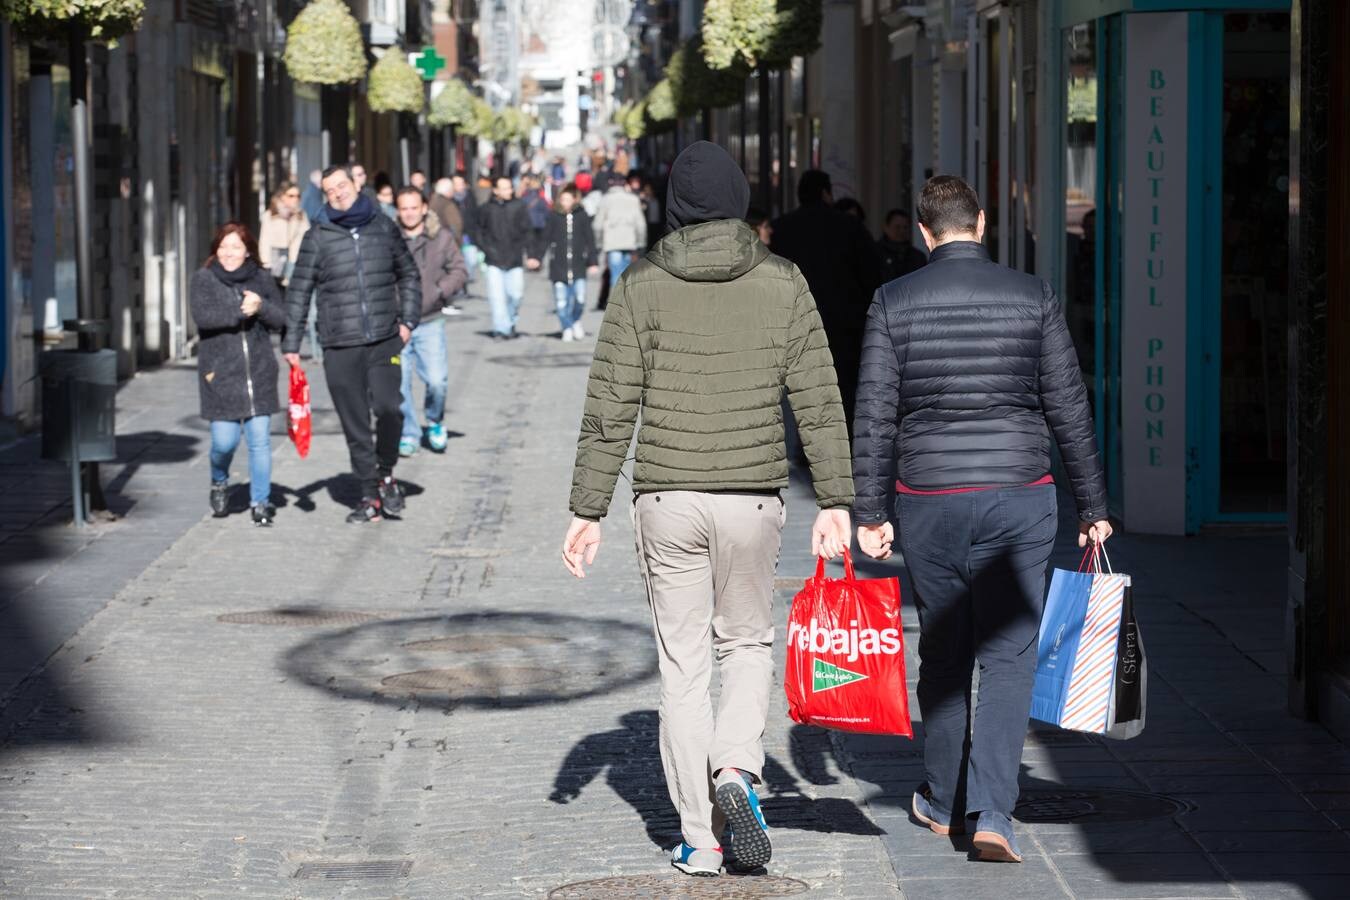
(1088,807)
(483,643)
(466,681)
(298,617)
(677,887)
(489,659)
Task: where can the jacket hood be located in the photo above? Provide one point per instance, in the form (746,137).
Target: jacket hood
(710,251)
(705,185)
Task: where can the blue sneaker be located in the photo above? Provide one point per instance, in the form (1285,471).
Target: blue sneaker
(736,797)
(993,840)
(927,814)
(692,861)
(436,437)
(406,447)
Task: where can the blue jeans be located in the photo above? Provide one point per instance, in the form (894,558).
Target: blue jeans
(978,564)
(505,287)
(225,439)
(619,261)
(427,353)
(569,301)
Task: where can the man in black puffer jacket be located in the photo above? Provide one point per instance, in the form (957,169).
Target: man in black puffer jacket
(369,301)
(967,362)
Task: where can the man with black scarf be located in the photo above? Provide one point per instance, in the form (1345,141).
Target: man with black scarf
(369,301)
(704,336)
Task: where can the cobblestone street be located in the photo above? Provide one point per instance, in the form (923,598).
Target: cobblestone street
(193,707)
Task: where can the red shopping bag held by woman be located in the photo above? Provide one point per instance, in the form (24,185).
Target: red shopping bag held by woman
(846,655)
(298,423)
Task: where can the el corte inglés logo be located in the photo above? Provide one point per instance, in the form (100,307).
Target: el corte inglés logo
(827,676)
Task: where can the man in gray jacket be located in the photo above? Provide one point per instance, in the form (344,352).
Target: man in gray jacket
(970,365)
(441,266)
(620,228)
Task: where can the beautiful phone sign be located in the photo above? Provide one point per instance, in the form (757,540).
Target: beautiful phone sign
(1153,273)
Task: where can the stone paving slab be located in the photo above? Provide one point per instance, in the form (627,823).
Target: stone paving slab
(477,713)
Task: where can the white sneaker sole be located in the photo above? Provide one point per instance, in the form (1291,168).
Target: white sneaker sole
(696,871)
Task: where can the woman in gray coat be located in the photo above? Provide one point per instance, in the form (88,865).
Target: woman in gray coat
(235,303)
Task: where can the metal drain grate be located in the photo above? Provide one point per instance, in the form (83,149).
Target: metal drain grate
(375,868)
(467,552)
(1090,807)
(642,887)
(306,616)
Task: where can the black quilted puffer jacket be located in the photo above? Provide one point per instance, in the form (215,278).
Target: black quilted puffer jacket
(366,279)
(966,363)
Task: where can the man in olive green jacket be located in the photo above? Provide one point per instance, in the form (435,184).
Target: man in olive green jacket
(703,337)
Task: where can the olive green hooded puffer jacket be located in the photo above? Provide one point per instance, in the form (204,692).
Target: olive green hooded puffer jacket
(703,336)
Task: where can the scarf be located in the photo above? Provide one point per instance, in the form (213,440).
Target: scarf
(239,276)
(360,214)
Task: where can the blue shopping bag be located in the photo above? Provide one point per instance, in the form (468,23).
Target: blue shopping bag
(1090,672)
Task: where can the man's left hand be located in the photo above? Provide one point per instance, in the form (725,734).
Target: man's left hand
(580,545)
(405,333)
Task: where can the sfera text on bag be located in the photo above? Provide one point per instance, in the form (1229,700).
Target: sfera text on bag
(853,641)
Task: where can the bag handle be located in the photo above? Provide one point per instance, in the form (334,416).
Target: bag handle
(1097,553)
(849,574)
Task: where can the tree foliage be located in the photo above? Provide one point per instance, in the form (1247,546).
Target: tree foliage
(695,85)
(101,20)
(324,45)
(751,33)
(394,85)
(453,105)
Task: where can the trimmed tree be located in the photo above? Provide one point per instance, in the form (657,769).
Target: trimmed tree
(99,20)
(394,85)
(452,106)
(765,33)
(695,85)
(324,45)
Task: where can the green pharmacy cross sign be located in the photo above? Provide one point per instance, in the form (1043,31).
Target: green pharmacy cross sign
(429,62)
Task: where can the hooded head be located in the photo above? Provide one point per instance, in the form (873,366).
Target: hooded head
(705,185)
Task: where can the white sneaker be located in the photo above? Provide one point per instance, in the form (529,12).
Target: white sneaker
(567,335)
(577,331)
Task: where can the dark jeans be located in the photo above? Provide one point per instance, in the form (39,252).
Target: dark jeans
(364,381)
(977,561)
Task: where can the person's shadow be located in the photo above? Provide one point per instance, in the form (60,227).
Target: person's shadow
(631,759)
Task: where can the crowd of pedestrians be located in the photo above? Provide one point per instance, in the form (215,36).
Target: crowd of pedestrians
(925,389)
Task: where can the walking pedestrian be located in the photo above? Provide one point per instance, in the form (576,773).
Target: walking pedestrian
(570,246)
(970,364)
(234,303)
(899,256)
(467,204)
(384,194)
(839,261)
(359,178)
(418,179)
(620,227)
(504,236)
(709,308)
(441,268)
(369,296)
(311,199)
(443,204)
(284,224)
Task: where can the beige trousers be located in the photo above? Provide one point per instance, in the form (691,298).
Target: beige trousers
(708,561)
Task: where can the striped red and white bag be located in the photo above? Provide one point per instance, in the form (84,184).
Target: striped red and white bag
(1091,674)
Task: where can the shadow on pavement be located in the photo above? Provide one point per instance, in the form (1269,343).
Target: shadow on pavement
(630,758)
(486,660)
(36,706)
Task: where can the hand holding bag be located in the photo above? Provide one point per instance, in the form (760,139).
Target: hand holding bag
(846,655)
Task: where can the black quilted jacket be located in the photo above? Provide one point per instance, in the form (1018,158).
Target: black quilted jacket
(366,280)
(967,362)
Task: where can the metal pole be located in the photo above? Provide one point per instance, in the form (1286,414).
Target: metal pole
(76,482)
(79,127)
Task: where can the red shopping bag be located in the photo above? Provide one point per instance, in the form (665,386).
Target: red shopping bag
(298,423)
(846,655)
